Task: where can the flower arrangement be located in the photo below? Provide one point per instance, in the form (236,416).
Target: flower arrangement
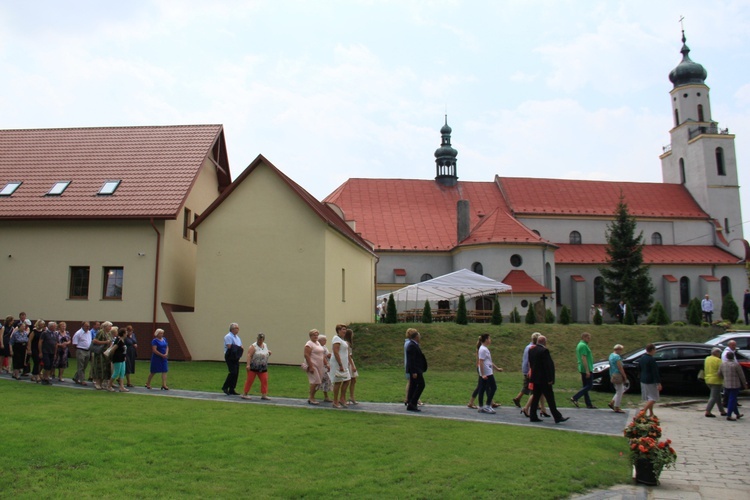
(643,434)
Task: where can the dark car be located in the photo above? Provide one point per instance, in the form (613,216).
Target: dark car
(678,362)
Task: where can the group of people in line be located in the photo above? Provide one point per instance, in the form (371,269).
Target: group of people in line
(721,370)
(329,372)
(41,352)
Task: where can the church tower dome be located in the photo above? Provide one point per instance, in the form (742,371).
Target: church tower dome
(445,158)
(687,72)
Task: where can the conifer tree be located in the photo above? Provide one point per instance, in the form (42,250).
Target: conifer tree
(565,315)
(530,315)
(391,315)
(729,309)
(658,315)
(625,276)
(497,315)
(694,314)
(597,317)
(515,316)
(461,317)
(427,312)
(549,316)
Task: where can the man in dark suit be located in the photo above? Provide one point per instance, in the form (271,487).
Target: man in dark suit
(746,304)
(416,365)
(543,378)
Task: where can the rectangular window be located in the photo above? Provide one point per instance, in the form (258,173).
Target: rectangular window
(112,283)
(195,233)
(109,187)
(185,224)
(10,188)
(343,285)
(79,282)
(58,188)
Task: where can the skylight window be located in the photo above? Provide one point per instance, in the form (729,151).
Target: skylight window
(109,187)
(10,188)
(58,188)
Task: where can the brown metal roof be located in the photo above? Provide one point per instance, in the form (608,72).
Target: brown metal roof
(157,167)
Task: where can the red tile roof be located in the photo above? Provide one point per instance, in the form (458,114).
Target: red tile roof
(652,254)
(420,215)
(523,283)
(157,167)
(527,196)
(670,278)
(708,277)
(326,213)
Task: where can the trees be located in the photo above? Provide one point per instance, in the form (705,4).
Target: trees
(625,276)
(530,315)
(497,315)
(515,316)
(694,314)
(461,317)
(565,315)
(427,312)
(658,315)
(729,309)
(391,315)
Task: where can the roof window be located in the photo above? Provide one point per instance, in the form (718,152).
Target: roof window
(10,188)
(58,188)
(109,187)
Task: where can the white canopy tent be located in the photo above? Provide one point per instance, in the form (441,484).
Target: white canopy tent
(447,287)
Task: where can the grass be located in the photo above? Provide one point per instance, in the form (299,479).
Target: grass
(63,444)
(93,444)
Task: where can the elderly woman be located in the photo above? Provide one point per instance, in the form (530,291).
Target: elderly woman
(48,342)
(257,366)
(315,361)
(118,360)
(101,368)
(617,376)
(33,349)
(63,350)
(326,385)
(711,367)
(131,353)
(349,337)
(340,362)
(19,341)
(734,381)
(159,355)
(7,331)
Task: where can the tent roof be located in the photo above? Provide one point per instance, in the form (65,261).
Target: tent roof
(449,286)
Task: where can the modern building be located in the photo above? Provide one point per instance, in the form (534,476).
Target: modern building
(547,237)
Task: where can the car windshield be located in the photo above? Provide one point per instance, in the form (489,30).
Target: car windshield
(634,354)
(721,339)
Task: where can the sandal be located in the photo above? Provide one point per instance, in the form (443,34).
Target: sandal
(496,405)
(472,406)
(336,405)
(310,402)
(352,402)
(618,410)
(245,396)
(265,397)
(147,387)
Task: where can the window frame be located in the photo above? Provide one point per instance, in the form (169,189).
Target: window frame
(10,188)
(186,216)
(58,188)
(106,271)
(575,238)
(111,190)
(73,282)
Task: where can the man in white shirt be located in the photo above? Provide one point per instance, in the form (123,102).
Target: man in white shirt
(707,306)
(232,355)
(82,342)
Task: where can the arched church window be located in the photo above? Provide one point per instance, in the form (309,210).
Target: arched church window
(558,294)
(684,291)
(575,238)
(682,171)
(598,290)
(656,239)
(425,277)
(700,113)
(726,286)
(720,170)
(477,268)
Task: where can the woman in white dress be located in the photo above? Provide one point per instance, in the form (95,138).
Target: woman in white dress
(340,367)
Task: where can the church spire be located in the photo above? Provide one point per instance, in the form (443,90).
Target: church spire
(445,158)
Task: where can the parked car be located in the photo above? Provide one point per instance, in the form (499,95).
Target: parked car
(679,364)
(742,337)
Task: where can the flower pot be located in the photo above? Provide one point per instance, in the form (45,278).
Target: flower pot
(644,472)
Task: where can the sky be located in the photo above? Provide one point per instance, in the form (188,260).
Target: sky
(329,90)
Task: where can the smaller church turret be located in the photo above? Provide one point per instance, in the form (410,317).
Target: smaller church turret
(445,159)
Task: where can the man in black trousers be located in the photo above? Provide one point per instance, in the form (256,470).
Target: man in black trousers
(416,365)
(232,354)
(543,378)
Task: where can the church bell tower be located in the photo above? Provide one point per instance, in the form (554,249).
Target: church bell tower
(445,159)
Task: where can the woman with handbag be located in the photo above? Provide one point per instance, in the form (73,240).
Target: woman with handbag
(617,377)
(117,355)
(257,366)
(314,364)
(101,368)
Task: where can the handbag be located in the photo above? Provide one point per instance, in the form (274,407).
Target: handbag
(97,348)
(702,375)
(617,379)
(110,350)
(304,366)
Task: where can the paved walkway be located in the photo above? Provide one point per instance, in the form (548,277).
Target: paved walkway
(713,454)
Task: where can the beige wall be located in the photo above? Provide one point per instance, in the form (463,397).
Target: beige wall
(36,278)
(263,263)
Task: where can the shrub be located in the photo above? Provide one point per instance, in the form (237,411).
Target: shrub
(515,317)
(391,314)
(694,314)
(530,315)
(629,318)
(597,317)
(658,315)
(427,312)
(678,323)
(549,316)
(461,318)
(729,309)
(497,314)
(565,315)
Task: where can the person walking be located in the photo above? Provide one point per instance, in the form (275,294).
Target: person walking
(159,359)
(485,366)
(585,367)
(650,380)
(525,370)
(82,342)
(734,381)
(340,363)
(416,365)
(617,377)
(711,367)
(257,366)
(543,378)
(232,355)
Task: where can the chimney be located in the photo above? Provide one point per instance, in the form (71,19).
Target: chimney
(463,220)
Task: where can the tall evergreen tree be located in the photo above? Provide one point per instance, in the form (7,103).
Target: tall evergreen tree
(694,314)
(391,314)
(530,315)
(461,317)
(427,312)
(729,309)
(497,315)
(625,276)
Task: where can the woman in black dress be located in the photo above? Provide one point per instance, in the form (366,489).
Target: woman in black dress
(7,330)
(131,354)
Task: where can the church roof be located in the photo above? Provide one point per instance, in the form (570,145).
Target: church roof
(155,166)
(421,215)
(596,254)
(528,196)
(523,283)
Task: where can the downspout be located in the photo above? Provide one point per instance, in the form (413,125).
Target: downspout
(156,274)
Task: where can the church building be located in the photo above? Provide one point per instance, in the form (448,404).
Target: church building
(547,237)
